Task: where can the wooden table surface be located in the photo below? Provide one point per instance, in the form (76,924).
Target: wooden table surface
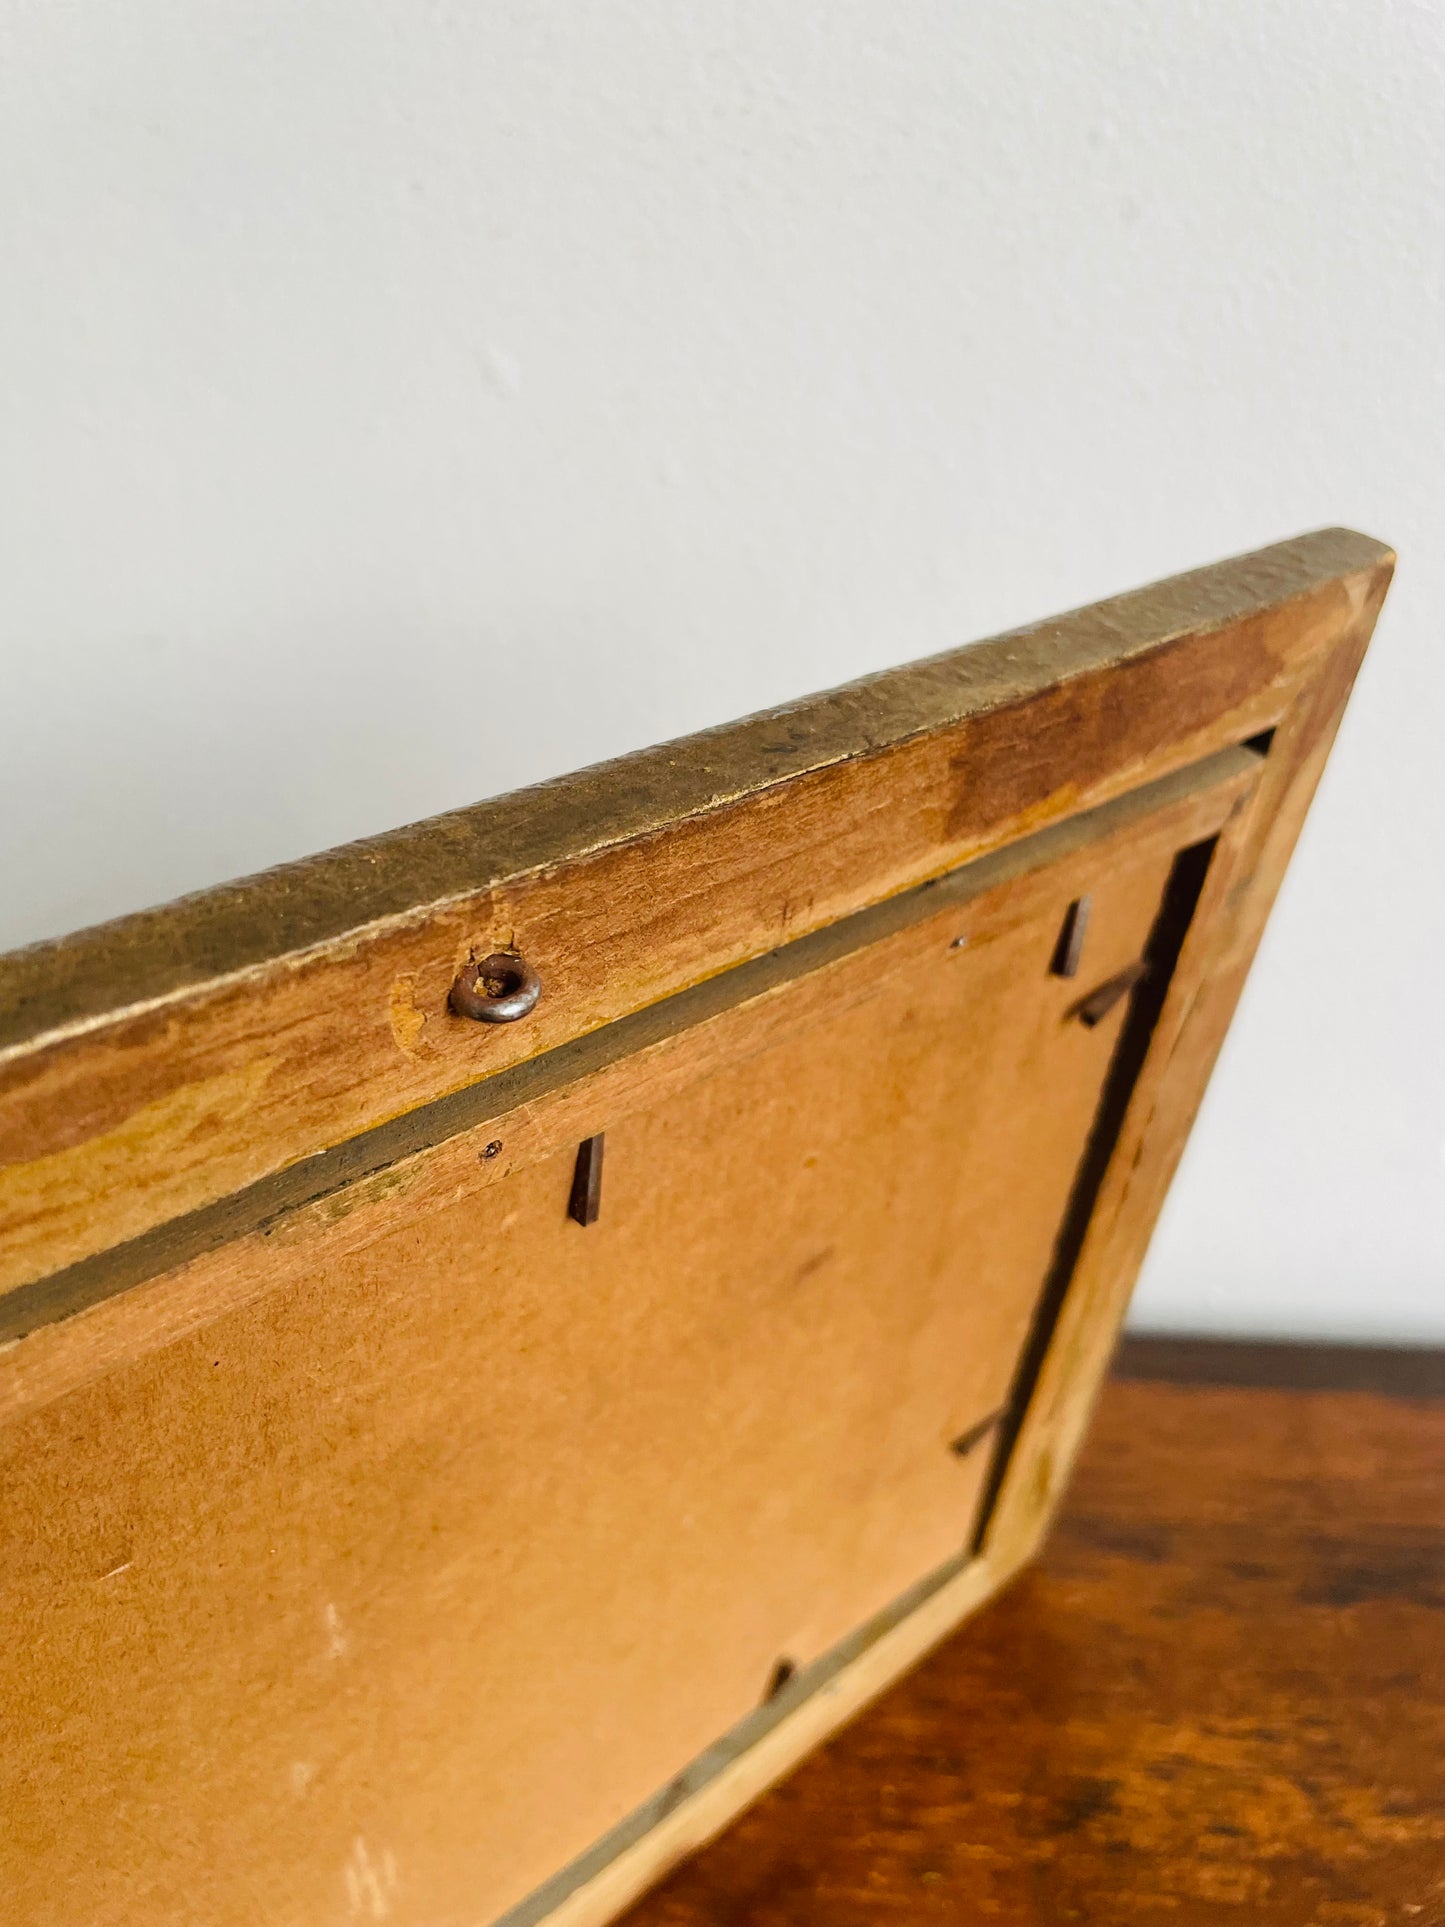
(1219,1697)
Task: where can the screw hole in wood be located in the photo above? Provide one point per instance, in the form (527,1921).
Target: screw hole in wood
(498,990)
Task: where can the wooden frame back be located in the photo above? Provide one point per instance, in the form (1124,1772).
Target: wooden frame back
(186,1081)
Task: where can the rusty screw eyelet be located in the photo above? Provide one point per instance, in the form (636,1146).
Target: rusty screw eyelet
(498,990)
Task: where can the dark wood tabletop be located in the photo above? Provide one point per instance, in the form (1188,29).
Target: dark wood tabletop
(1219,1697)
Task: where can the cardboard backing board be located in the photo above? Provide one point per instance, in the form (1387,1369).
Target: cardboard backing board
(450,1467)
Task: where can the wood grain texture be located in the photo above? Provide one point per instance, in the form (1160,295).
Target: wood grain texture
(991,894)
(387,1539)
(527,1511)
(1218,1697)
(985,903)
(1217,948)
(161,1063)
(1397,1371)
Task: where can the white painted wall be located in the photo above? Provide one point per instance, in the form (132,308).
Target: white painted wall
(404,401)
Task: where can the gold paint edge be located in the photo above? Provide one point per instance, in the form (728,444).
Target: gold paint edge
(283,918)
